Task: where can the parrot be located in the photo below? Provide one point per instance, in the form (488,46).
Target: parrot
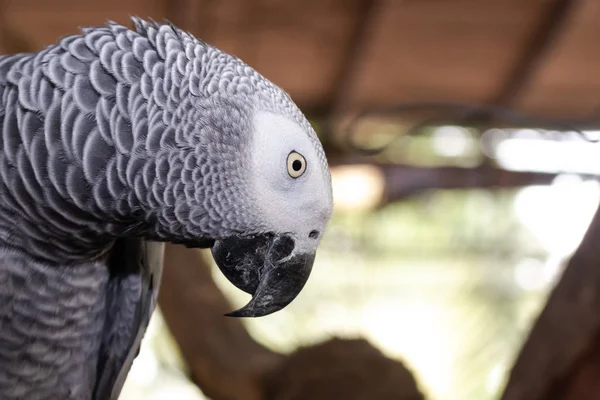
(115,141)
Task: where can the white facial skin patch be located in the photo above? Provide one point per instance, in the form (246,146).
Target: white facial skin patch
(294,205)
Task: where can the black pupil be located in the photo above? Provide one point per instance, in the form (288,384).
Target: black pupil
(297,165)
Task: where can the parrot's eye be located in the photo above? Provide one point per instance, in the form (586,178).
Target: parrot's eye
(296,164)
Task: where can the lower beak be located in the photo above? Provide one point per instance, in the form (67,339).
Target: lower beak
(264,267)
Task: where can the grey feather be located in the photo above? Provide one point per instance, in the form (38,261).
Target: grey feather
(50,320)
(108,135)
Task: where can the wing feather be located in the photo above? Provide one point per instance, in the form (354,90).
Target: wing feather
(136,267)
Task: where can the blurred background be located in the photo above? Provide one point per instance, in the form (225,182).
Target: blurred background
(461,138)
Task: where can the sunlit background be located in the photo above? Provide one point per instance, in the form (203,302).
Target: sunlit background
(448,281)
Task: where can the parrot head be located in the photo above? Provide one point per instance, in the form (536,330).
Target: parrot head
(248,175)
(290,186)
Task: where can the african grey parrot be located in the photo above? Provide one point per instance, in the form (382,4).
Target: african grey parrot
(113,142)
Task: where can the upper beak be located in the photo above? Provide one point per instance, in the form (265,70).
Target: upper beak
(263,266)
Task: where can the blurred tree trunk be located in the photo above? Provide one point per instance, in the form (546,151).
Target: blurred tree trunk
(227,364)
(561,357)
(223,359)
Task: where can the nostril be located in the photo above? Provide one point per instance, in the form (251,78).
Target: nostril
(313,234)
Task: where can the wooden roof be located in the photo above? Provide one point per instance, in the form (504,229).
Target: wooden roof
(541,56)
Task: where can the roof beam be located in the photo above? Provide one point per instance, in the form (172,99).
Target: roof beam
(4,46)
(186,14)
(541,42)
(350,65)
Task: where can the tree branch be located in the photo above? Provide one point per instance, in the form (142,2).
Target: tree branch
(227,364)
(223,359)
(402,181)
(405,180)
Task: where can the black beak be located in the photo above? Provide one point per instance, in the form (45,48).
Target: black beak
(263,267)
